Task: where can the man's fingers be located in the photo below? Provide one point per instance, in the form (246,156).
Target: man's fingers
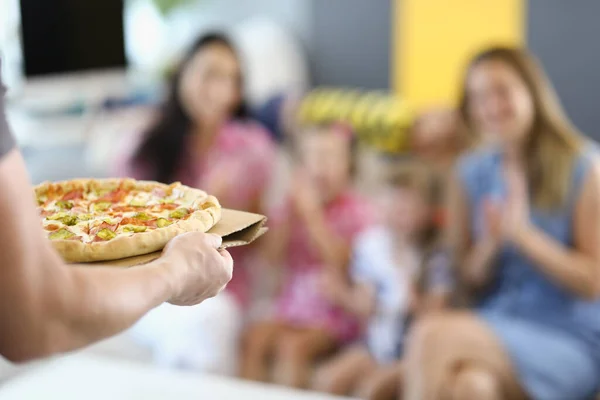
(225,254)
(213,240)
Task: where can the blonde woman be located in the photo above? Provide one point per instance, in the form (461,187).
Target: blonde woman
(525,227)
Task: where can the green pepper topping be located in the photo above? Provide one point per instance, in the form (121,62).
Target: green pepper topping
(69,220)
(106,234)
(57,216)
(137,203)
(101,206)
(161,223)
(142,216)
(100,192)
(179,213)
(64,205)
(61,234)
(135,229)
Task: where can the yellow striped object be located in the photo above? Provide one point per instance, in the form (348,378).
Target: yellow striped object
(379,119)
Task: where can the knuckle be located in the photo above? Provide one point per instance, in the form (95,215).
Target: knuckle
(226,275)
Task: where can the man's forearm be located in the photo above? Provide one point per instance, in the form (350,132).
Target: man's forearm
(95,313)
(75,309)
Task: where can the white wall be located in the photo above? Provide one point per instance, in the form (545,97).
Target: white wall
(271,34)
(171,35)
(10,50)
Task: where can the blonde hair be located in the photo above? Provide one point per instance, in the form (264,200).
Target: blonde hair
(417,176)
(553,143)
(460,139)
(414,175)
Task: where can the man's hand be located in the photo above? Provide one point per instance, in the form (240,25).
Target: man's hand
(199,269)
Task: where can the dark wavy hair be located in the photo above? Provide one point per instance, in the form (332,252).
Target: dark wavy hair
(163,144)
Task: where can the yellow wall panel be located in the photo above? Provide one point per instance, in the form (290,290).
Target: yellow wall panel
(434,40)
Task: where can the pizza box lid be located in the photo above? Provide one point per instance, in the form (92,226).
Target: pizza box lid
(237,228)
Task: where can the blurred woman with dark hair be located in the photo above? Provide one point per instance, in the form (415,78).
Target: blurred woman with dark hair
(202,135)
(524,225)
(202,138)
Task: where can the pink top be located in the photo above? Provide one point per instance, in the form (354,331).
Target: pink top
(301,303)
(244,155)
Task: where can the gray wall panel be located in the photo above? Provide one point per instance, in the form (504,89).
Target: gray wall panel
(565,35)
(350,43)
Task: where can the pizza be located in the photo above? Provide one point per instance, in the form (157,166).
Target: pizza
(98,220)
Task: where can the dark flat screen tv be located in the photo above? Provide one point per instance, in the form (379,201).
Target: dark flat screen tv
(61,36)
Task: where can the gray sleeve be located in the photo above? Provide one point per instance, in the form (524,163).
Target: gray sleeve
(7,142)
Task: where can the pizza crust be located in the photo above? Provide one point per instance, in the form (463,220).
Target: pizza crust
(134,244)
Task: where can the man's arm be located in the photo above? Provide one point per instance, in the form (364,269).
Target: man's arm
(48,307)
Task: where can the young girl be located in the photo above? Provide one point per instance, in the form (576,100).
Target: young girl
(315,230)
(397,272)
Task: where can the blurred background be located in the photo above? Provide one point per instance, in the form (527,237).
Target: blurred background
(102,58)
(100,61)
(86,78)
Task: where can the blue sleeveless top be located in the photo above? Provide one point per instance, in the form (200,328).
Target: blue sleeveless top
(521,290)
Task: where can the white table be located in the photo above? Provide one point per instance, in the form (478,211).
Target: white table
(96,378)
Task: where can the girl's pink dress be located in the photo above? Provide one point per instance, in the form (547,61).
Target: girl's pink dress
(244,154)
(301,302)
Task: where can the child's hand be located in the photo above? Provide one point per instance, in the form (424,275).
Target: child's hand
(333,287)
(305,196)
(505,219)
(516,210)
(414,303)
(492,214)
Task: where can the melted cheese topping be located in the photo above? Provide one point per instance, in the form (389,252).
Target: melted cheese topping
(86,218)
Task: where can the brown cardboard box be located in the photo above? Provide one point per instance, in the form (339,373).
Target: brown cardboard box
(237,228)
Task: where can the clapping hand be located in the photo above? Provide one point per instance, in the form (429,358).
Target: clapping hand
(305,197)
(504,219)
(333,286)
